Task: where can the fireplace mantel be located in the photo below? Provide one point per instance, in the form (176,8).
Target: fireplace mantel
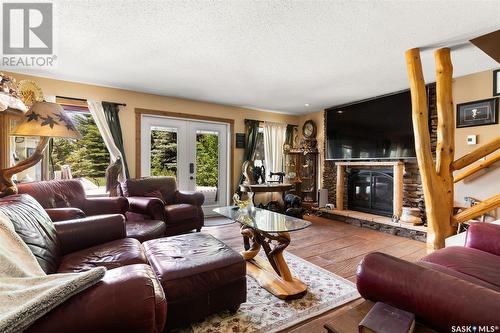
(398,167)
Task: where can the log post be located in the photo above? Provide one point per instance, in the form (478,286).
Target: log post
(340,187)
(437,179)
(397,208)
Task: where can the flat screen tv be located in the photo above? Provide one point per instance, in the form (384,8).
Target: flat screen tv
(379,128)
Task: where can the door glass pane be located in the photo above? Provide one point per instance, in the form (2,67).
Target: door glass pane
(207,165)
(163,151)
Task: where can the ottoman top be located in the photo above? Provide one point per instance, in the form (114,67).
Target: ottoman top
(185,255)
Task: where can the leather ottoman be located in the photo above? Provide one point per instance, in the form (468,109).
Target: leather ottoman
(199,274)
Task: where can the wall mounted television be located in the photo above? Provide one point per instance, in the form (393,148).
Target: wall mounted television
(378,128)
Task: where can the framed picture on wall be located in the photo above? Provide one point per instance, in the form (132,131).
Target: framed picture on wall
(496,82)
(477,113)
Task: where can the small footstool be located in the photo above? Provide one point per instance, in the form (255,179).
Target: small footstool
(199,274)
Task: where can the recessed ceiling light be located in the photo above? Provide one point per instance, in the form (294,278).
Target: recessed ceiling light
(307,104)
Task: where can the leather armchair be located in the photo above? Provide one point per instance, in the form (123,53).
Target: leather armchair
(454,286)
(158,197)
(66,199)
(129,287)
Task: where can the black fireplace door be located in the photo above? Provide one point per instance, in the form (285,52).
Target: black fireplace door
(371,191)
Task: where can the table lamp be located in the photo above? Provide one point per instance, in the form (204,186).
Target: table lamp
(46,120)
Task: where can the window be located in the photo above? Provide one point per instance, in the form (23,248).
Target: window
(163,151)
(86,158)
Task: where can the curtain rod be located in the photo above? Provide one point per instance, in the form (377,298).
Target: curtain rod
(84,100)
(263,121)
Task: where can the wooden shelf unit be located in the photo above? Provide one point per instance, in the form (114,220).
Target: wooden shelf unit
(301,169)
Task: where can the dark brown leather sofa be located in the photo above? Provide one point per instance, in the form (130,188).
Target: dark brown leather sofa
(158,198)
(66,199)
(128,299)
(449,288)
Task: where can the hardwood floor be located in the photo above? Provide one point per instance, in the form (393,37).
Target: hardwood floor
(335,246)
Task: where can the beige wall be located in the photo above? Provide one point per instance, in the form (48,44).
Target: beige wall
(487,182)
(155,102)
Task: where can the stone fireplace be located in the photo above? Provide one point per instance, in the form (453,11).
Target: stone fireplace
(372,187)
(371,191)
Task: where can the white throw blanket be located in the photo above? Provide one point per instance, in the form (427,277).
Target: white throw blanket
(26,292)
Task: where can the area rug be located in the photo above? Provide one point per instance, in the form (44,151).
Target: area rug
(263,312)
(217,221)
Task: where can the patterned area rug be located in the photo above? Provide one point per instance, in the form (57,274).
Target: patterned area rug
(263,312)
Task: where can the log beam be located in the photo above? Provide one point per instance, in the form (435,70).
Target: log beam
(478,210)
(483,165)
(476,154)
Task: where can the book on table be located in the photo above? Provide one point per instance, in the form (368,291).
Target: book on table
(384,318)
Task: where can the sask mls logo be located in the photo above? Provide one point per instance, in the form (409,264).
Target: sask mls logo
(28,38)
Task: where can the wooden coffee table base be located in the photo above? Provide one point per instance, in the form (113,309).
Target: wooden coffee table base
(272,274)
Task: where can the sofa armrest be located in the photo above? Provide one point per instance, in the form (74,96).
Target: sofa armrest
(484,237)
(80,234)
(105,205)
(438,299)
(127,299)
(190,197)
(153,207)
(62,214)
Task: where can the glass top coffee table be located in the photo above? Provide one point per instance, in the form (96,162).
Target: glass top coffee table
(265,229)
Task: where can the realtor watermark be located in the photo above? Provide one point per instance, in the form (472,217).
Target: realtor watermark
(474,328)
(28,34)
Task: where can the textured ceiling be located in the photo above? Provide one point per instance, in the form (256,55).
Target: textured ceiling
(272,55)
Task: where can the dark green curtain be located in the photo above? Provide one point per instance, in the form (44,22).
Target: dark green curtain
(252,130)
(111,112)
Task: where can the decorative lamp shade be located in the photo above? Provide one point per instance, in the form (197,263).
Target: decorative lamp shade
(47,119)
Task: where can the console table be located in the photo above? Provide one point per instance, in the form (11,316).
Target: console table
(267,187)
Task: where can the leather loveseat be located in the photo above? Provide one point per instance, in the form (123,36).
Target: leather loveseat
(158,198)
(66,199)
(449,290)
(128,299)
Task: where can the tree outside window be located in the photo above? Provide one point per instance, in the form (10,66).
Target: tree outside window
(88,157)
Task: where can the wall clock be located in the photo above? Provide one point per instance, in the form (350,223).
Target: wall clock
(309,129)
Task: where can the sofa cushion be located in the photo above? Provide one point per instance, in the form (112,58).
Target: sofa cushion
(457,274)
(479,264)
(178,213)
(155,194)
(56,193)
(144,230)
(139,187)
(35,228)
(121,252)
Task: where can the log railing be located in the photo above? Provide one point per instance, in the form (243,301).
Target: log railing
(478,209)
(481,166)
(437,177)
(476,154)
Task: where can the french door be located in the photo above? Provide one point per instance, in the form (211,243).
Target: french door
(195,152)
